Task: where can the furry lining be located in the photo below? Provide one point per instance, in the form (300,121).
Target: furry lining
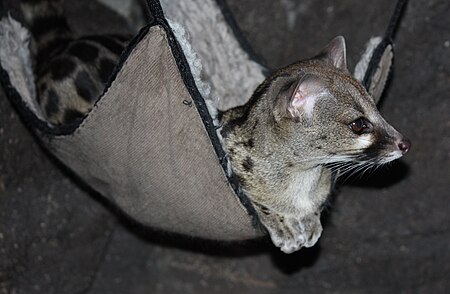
(379,79)
(15,58)
(363,63)
(195,65)
(228,69)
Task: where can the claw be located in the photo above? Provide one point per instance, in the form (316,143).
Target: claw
(289,250)
(300,239)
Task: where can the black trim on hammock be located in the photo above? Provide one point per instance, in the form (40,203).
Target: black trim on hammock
(183,67)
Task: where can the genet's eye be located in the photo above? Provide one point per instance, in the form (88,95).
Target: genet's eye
(359,126)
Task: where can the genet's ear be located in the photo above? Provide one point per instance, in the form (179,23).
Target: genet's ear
(335,53)
(305,95)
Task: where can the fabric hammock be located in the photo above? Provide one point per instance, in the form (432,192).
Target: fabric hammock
(150,143)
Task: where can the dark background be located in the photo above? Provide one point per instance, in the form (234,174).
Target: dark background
(386,234)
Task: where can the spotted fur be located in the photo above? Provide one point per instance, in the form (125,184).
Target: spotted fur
(71,72)
(286,143)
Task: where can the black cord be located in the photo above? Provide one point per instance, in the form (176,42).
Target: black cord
(387,40)
(395,19)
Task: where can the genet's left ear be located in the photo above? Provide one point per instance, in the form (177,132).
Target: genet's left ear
(334,53)
(305,95)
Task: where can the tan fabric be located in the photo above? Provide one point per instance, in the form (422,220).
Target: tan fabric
(147,151)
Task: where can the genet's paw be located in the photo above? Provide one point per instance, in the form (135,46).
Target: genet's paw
(289,232)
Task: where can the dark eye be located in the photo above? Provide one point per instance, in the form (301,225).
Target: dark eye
(359,126)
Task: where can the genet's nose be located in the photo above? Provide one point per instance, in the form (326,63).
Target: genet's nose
(404,145)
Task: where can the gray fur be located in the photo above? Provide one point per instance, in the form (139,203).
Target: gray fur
(296,145)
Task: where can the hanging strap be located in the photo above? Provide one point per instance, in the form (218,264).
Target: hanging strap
(155,9)
(387,41)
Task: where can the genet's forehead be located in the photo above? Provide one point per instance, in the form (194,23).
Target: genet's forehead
(349,86)
(350,92)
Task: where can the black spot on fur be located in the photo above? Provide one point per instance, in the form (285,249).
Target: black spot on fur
(105,69)
(45,25)
(86,88)
(319,147)
(84,51)
(72,115)
(264,209)
(224,132)
(61,68)
(324,137)
(52,106)
(50,49)
(42,89)
(248,163)
(220,115)
(108,42)
(241,180)
(254,126)
(250,143)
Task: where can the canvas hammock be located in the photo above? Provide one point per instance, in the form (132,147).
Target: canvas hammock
(150,144)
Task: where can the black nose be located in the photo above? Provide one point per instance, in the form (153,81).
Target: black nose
(404,145)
